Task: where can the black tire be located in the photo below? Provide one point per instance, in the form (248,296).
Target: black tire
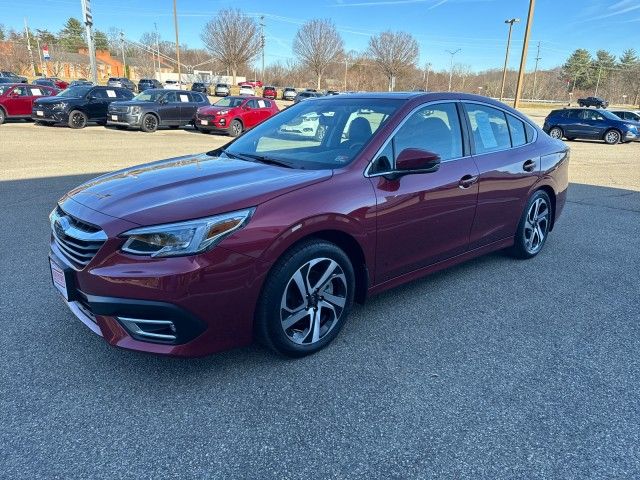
(3,116)
(269,322)
(612,136)
(556,132)
(77,119)
(525,245)
(149,123)
(580,104)
(235,128)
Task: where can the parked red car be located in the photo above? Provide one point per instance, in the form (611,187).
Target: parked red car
(234,115)
(270,92)
(252,83)
(16,99)
(276,234)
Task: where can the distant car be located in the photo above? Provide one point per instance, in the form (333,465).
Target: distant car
(309,125)
(334,92)
(593,102)
(247,90)
(61,84)
(252,83)
(221,90)
(147,83)
(173,85)
(306,95)
(572,123)
(234,115)
(45,82)
(154,108)
(200,87)
(79,83)
(12,77)
(77,106)
(270,93)
(632,115)
(289,93)
(121,82)
(16,99)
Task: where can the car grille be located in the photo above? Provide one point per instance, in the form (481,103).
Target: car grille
(118,109)
(78,241)
(205,117)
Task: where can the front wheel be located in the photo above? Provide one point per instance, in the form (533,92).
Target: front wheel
(306,299)
(235,128)
(149,123)
(611,137)
(534,226)
(78,119)
(3,116)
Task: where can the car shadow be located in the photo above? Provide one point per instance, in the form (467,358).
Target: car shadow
(425,308)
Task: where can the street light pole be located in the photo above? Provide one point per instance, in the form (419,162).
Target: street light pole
(175,21)
(535,72)
(88,23)
(523,59)
(451,65)
(262,44)
(124,61)
(511,21)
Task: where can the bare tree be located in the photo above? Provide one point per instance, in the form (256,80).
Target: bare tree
(393,52)
(232,39)
(318,43)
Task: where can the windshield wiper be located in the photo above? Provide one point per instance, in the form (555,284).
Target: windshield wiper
(263,159)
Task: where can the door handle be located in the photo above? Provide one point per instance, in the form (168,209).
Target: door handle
(467,181)
(529,166)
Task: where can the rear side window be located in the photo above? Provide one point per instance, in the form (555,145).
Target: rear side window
(489,128)
(516,128)
(185,97)
(123,94)
(38,91)
(530,131)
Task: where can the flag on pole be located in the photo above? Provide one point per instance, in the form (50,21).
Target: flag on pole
(45,52)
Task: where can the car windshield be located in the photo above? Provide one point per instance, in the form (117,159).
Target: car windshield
(316,135)
(609,115)
(229,102)
(149,96)
(79,91)
(222,85)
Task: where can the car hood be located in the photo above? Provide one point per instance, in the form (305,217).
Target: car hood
(189,187)
(55,99)
(129,103)
(211,110)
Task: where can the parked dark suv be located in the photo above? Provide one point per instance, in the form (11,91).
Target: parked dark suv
(200,87)
(121,82)
(77,106)
(274,236)
(593,102)
(154,108)
(572,123)
(147,83)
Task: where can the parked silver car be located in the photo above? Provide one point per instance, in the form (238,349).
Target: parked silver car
(221,90)
(122,82)
(289,93)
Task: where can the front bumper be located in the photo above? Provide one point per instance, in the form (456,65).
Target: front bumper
(216,124)
(123,119)
(631,137)
(206,302)
(49,115)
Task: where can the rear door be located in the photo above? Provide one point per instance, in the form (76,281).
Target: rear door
(188,106)
(505,155)
(264,110)
(251,114)
(169,109)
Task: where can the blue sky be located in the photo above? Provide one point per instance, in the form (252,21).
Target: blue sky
(475,26)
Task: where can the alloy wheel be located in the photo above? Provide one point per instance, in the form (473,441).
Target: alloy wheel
(555,133)
(313,301)
(536,225)
(612,137)
(150,123)
(78,120)
(237,128)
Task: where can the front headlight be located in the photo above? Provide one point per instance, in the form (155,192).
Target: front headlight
(222,112)
(184,238)
(59,106)
(135,110)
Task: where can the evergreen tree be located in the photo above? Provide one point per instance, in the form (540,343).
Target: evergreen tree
(578,70)
(100,40)
(72,35)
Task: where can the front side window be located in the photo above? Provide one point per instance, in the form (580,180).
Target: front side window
(171,97)
(20,91)
(230,102)
(488,128)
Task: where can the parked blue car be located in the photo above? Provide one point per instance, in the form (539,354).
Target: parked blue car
(572,123)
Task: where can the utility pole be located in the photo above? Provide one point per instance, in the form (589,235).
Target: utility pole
(523,59)
(506,57)
(88,23)
(124,60)
(262,43)
(40,59)
(175,21)
(451,65)
(346,67)
(157,54)
(26,30)
(426,83)
(535,72)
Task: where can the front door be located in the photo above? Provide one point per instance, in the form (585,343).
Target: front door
(169,109)
(19,102)
(508,165)
(423,218)
(594,123)
(188,107)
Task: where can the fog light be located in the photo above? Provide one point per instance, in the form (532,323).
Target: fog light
(153,330)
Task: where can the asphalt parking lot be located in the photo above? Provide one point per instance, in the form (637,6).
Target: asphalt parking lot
(493,369)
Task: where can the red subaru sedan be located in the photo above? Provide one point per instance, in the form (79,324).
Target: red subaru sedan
(16,99)
(278,233)
(234,115)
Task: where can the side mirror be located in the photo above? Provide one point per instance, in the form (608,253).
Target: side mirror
(414,160)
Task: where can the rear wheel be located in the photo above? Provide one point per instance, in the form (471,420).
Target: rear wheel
(306,299)
(556,132)
(77,119)
(611,137)
(235,128)
(534,226)
(3,116)
(149,123)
